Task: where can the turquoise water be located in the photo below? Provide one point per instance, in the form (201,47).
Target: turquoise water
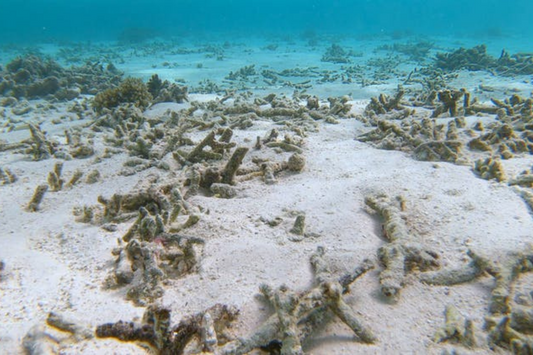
(60,20)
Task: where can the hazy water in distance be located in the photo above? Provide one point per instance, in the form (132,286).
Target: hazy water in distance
(57,20)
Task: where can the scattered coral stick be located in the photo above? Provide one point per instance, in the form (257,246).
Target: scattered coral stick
(37,198)
(299,314)
(210,326)
(403,252)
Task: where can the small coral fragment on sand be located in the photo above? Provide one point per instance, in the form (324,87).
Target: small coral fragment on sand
(296,163)
(229,172)
(38,342)
(299,225)
(7,176)
(78,331)
(37,198)
(40,147)
(449,100)
(457,329)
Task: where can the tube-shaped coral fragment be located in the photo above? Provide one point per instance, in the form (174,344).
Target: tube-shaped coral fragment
(228,175)
(37,198)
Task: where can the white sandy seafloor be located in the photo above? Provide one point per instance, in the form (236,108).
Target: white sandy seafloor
(54,263)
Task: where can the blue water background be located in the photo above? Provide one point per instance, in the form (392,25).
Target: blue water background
(58,20)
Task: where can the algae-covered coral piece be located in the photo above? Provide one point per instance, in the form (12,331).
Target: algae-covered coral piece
(449,102)
(164,91)
(216,151)
(505,270)
(383,103)
(449,151)
(54,177)
(336,54)
(475,58)
(502,333)
(131,90)
(37,198)
(457,328)
(298,315)
(154,251)
(7,176)
(40,147)
(209,326)
(403,252)
(490,169)
(230,170)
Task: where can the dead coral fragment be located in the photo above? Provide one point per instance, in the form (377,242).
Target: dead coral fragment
(210,327)
(449,151)
(296,163)
(299,226)
(336,54)
(37,198)
(153,254)
(449,100)
(505,271)
(457,329)
(426,139)
(67,325)
(297,315)
(7,176)
(502,333)
(131,90)
(490,169)
(218,147)
(384,104)
(223,190)
(403,253)
(476,58)
(40,147)
(38,342)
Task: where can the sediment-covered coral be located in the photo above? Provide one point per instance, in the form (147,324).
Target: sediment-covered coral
(31,76)
(477,58)
(508,324)
(505,271)
(37,198)
(40,147)
(206,331)
(403,252)
(298,315)
(131,90)
(7,176)
(449,102)
(490,169)
(336,54)
(456,329)
(56,182)
(79,147)
(164,91)
(427,139)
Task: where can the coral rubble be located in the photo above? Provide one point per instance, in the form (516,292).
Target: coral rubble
(298,315)
(403,253)
(206,330)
